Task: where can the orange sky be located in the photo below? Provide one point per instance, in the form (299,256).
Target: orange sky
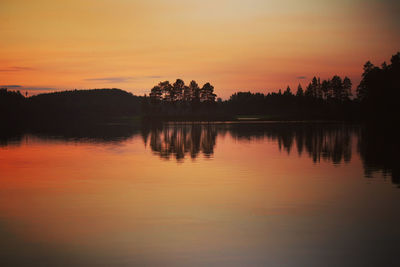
(256,45)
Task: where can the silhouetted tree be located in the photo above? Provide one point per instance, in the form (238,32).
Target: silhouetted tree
(315,89)
(299,92)
(167,91)
(309,91)
(379,91)
(326,89)
(288,92)
(156,94)
(187,94)
(337,87)
(346,89)
(195,91)
(366,82)
(177,88)
(207,93)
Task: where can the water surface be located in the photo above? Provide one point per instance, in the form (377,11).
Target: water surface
(275,194)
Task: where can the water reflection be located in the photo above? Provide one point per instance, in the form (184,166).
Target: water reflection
(10,137)
(319,141)
(272,193)
(179,141)
(327,142)
(378,149)
(79,132)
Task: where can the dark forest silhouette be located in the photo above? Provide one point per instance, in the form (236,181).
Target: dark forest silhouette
(375,101)
(329,99)
(179,92)
(67,107)
(379,91)
(178,101)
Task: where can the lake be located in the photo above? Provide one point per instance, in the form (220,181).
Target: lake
(220,194)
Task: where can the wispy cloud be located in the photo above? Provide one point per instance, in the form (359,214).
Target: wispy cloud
(11,86)
(111,79)
(27,88)
(301,77)
(16,68)
(122,79)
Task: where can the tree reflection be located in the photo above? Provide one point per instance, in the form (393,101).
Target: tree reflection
(178,141)
(377,147)
(320,141)
(10,138)
(73,131)
(326,142)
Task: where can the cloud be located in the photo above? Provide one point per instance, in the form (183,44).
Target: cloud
(111,79)
(122,79)
(301,77)
(26,88)
(16,68)
(11,86)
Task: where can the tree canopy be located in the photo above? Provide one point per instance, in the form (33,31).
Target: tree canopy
(179,92)
(379,90)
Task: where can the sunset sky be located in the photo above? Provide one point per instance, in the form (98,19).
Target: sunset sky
(256,45)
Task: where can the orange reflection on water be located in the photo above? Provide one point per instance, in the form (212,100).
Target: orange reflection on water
(118,203)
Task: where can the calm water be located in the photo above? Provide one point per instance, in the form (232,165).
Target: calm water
(275,194)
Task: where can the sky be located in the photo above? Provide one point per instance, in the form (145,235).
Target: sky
(251,45)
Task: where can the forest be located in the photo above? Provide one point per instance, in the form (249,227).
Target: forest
(67,106)
(374,100)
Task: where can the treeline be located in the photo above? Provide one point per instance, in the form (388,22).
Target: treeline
(376,101)
(75,105)
(12,104)
(379,91)
(179,92)
(178,101)
(85,103)
(329,99)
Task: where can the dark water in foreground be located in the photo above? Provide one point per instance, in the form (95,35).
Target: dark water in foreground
(276,194)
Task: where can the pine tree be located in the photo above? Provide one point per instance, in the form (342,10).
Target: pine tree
(167,92)
(156,94)
(337,87)
(207,93)
(346,92)
(177,89)
(288,92)
(195,91)
(300,92)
